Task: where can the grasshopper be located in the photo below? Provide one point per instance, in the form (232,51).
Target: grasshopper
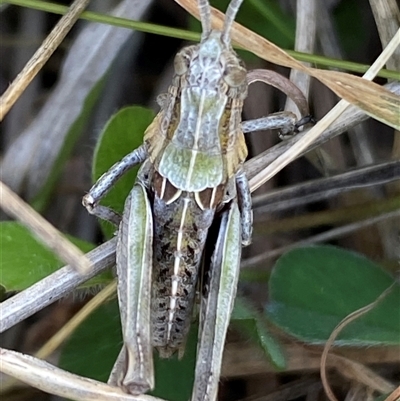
(192,172)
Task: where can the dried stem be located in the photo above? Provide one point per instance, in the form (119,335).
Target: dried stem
(34,65)
(13,205)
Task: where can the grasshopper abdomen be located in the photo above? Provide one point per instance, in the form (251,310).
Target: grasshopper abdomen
(180,231)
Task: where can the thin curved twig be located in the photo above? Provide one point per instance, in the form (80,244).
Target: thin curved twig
(345,322)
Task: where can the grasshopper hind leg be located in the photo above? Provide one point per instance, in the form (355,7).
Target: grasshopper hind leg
(133,370)
(217,304)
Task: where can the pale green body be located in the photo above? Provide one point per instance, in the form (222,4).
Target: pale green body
(195,149)
(193,154)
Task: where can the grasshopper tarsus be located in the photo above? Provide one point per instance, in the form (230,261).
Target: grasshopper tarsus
(89,203)
(308,119)
(100,211)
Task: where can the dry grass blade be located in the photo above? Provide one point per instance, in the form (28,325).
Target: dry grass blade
(366,95)
(350,118)
(395,396)
(373,99)
(31,162)
(13,205)
(41,56)
(292,153)
(306,28)
(327,187)
(328,235)
(50,379)
(361,374)
(346,321)
(387,19)
(344,214)
(65,332)
(53,287)
(246,357)
(318,129)
(72,324)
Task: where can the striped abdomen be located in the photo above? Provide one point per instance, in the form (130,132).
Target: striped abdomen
(180,231)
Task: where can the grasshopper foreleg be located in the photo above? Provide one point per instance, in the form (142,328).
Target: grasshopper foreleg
(105,183)
(133,370)
(217,305)
(285,121)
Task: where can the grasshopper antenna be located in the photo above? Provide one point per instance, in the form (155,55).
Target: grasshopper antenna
(205,17)
(230,16)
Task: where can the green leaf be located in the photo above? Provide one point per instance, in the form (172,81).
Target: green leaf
(251,275)
(94,346)
(271,23)
(175,378)
(312,289)
(382,397)
(348,17)
(24,260)
(253,325)
(122,134)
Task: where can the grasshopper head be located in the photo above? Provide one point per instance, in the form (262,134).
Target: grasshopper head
(211,64)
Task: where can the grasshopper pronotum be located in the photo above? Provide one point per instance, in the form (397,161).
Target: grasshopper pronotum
(192,155)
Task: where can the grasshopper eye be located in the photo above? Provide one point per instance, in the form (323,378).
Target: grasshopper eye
(235,75)
(181,64)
